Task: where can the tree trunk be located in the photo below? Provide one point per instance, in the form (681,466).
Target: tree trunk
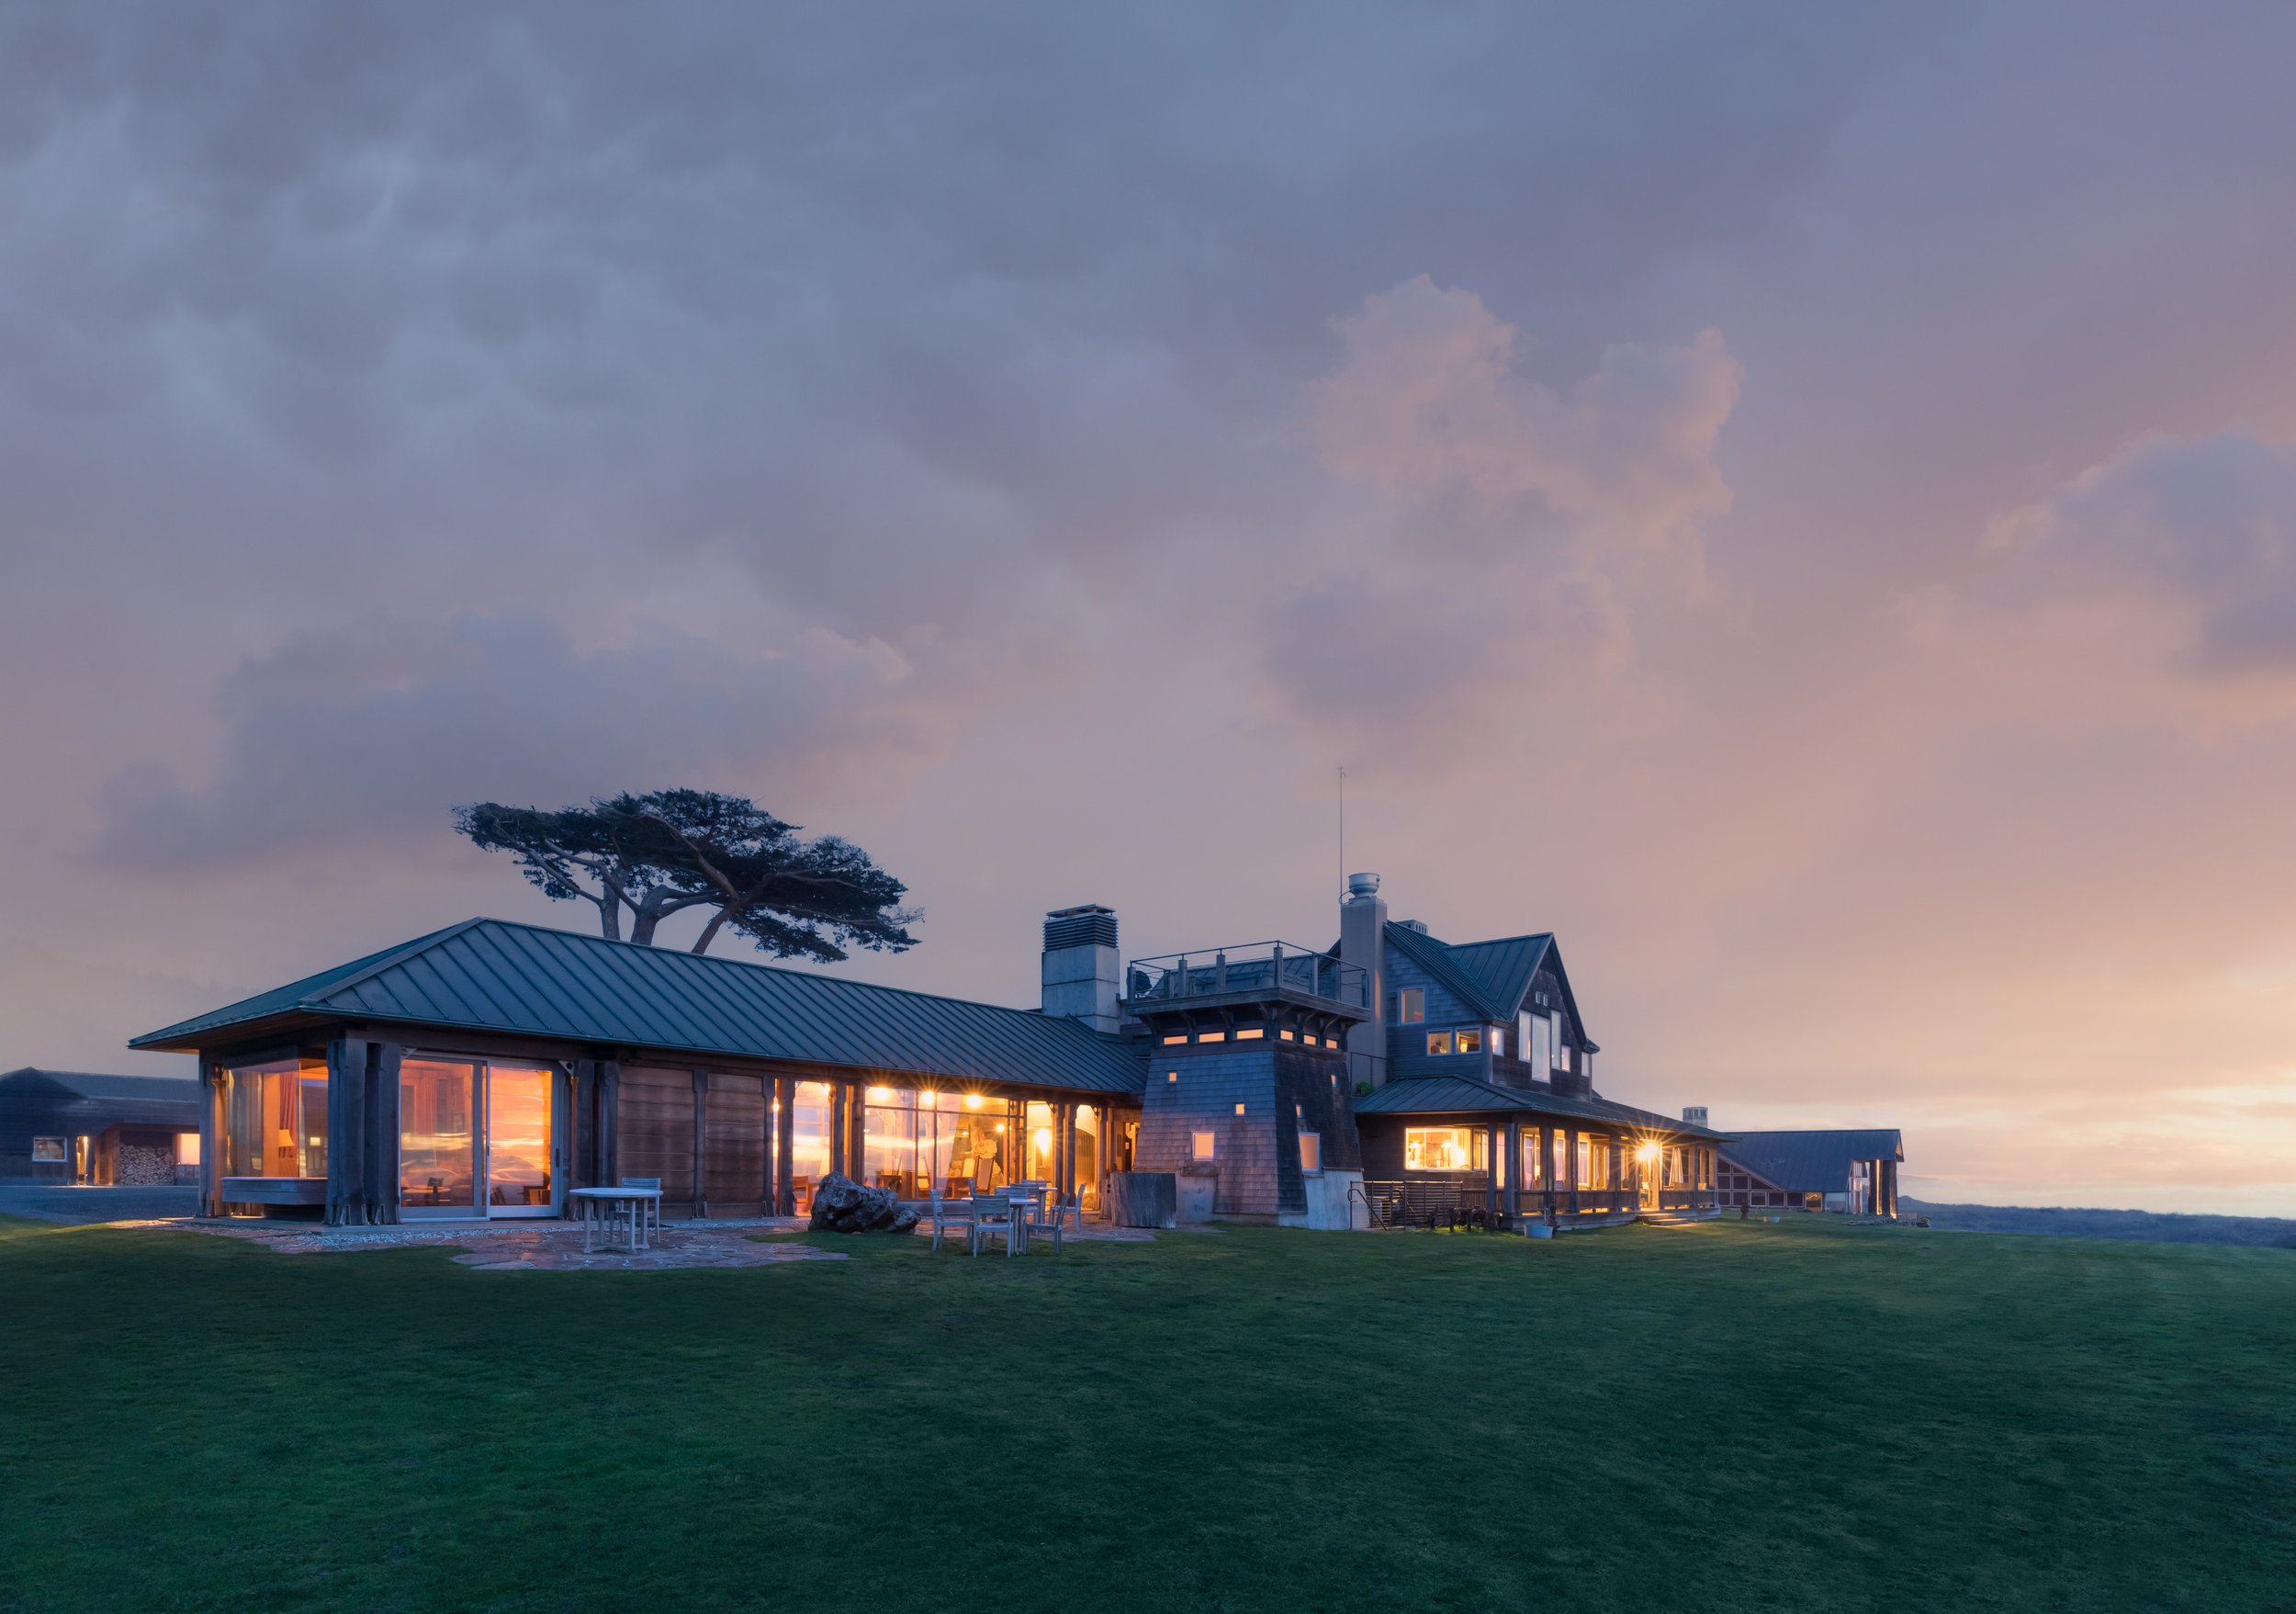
(709,932)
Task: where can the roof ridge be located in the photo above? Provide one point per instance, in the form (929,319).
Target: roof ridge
(1495,941)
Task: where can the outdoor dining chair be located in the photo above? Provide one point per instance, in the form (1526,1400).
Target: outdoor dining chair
(951,1214)
(649,1209)
(1050,1222)
(991,1211)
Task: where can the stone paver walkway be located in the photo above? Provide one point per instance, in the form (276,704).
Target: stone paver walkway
(543,1245)
(529,1247)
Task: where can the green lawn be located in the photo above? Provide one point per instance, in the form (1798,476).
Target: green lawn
(1812,1416)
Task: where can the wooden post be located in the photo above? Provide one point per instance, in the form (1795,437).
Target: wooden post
(700,1145)
(765,1186)
(837,1126)
(346,1136)
(784,1148)
(609,1123)
(211,1138)
(382,1134)
(1570,1165)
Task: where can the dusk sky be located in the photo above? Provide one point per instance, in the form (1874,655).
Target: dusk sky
(1799,502)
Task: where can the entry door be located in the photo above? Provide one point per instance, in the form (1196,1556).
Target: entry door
(520,1181)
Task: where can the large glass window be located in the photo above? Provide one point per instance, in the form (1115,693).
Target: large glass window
(274,1119)
(1444,1148)
(809,1141)
(1531,1159)
(1087,1155)
(438,1149)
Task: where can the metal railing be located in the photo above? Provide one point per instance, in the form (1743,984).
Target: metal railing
(1253,967)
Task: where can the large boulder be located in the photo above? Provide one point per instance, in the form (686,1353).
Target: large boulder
(842,1205)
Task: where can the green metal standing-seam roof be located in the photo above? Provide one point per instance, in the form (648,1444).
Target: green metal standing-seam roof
(1810,1162)
(1435,958)
(1452,1095)
(491,974)
(1505,967)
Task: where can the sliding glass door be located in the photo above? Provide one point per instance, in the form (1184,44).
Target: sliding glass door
(519,1179)
(476,1138)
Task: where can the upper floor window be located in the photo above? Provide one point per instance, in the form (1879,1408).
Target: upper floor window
(1498,1041)
(1310,1151)
(1536,1043)
(1411,1006)
(1202,1145)
(1438,1042)
(1469,1039)
(1562,1051)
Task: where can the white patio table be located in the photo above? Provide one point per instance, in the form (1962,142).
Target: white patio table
(593,1205)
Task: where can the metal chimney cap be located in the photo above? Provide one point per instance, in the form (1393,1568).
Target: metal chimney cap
(1363,884)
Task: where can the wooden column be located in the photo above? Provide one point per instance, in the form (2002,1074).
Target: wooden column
(1570,1165)
(382,1132)
(346,1133)
(211,1138)
(837,1126)
(765,1186)
(784,1148)
(700,1145)
(609,1123)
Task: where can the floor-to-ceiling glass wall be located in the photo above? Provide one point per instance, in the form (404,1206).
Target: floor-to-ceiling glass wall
(1089,1156)
(438,1159)
(274,1119)
(519,1179)
(809,1141)
(913,1140)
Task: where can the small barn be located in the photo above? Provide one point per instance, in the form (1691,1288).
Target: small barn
(1853,1172)
(80,1126)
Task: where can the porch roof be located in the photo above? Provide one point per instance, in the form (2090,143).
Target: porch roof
(1459,1095)
(494,976)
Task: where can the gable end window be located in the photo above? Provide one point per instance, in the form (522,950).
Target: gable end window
(1411,1006)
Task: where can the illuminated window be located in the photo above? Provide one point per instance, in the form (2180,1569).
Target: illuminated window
(1200,1144)
(1411,1006)
(1438,1042)
(1251,1032)
(1562,1157)
(1211,1036)
(1310,1151)
(47,1148)
(1171,1075)
(1531,1159)
(1181,1038)
(1498,1042)
(1470,1039)
(186,1148)
(1286,1035)
(274,1119)
(1444,1148)
(1238,1106)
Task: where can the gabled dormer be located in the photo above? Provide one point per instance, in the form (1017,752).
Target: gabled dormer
(1499,1012)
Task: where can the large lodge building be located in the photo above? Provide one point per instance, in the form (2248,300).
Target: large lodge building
(485,1069)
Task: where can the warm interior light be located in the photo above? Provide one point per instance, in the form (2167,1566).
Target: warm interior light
(1044,1138)
(971,1101)
(928,1098)
(879,1095)
(1648,1152)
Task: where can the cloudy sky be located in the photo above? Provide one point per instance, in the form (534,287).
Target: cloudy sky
(1800,501)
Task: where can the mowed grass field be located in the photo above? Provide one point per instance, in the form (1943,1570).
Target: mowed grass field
(1815,1416)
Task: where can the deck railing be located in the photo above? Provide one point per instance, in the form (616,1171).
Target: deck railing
(1252,966)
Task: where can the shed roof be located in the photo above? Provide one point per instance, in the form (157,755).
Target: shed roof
(1811,1162)
(96,1097)
(1459,1095)
(491,975)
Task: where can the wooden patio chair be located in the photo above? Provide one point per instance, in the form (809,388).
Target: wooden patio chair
(991,1211)
(1054,1219)
(649,1210)
(950,1214)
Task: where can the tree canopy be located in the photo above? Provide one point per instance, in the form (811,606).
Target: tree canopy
(664,852)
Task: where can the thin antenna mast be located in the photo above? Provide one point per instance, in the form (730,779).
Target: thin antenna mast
(1343,827)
